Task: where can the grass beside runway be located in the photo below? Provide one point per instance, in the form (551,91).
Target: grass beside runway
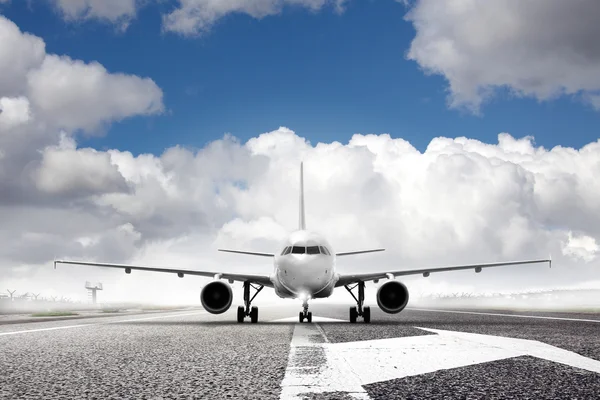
(54,314)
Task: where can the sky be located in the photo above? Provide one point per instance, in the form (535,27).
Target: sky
(154,131)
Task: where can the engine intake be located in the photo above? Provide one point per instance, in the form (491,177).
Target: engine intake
(216,297)
(392,297)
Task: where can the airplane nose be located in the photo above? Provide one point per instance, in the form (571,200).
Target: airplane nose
(304,273)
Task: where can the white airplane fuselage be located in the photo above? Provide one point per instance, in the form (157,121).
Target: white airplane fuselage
(303,275)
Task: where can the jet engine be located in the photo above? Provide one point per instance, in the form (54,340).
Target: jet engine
(392,297)
(216,297)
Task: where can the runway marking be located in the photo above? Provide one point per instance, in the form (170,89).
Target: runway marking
(96,324)
(507,315)
(315,366)
(307,372)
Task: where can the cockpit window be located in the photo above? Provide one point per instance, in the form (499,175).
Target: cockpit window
(285,251)
(312,250)
(324,250)
(298,250)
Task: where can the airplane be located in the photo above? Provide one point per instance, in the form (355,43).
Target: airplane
(305,269)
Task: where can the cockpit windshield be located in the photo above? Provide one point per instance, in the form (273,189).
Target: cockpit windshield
(305,250)
(298,250)
(312,250)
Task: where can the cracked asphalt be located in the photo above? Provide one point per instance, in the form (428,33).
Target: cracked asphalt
(196,355)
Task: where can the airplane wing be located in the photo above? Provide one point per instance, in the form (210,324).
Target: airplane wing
(258,279)
(251,253)
(354,278)
(350,253)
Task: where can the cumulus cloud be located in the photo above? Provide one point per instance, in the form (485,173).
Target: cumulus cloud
(583,247)
(197,16)
(14,112)
(73,94)
(459,201)
(77,172)
(113,11)
(19,53)
(46,95)
(539,49)
(47,184)
(69,93)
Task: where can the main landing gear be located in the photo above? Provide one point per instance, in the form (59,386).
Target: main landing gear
(359,310)
(245,310)
(305,314)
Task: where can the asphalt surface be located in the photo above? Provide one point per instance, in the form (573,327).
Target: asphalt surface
(193,354)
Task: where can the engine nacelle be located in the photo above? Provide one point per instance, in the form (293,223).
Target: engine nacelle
(392,297)
(216,297)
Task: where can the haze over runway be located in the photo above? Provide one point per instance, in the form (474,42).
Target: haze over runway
(194,354)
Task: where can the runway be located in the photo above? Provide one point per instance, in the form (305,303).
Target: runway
(416,354)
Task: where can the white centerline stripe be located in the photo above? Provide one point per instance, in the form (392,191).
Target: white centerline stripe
(312,369)
(101,323)
(507,315)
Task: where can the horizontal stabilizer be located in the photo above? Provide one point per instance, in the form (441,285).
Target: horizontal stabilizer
(251,253)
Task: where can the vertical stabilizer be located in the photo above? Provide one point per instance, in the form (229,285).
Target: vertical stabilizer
(302,224)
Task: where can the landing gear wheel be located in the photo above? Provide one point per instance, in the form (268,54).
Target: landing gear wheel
(359,310)
(309,317)
(353,314)
(300,316)
(367,314)
(254,315)
(246,310)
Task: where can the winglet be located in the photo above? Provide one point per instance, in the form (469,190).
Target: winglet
(302,222)
(550,260)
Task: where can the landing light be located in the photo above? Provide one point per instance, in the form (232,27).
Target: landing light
(304,296)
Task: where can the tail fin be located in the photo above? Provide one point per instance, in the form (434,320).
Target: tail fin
(302,222)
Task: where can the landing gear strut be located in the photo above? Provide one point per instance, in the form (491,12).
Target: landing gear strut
(245,310)
(305,314)
(359,310)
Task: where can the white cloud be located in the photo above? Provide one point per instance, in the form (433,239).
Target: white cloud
(78,172)
(45,96)
(73,94)
(44,177)
(114,11)
(197,16)
(67,93)
(459,201)
(540,49)
(583,247)
(13,112)
(19,53)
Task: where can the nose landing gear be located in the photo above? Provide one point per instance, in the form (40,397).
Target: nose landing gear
(359,310)
(245,310)
(305,314)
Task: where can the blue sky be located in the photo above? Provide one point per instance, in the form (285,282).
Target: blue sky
(323,74)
